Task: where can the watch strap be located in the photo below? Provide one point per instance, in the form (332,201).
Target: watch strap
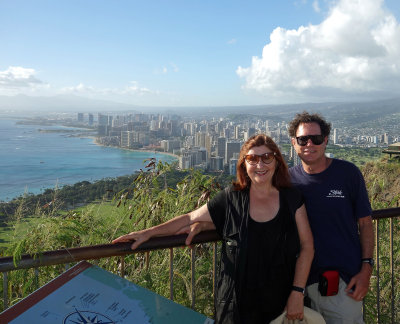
(368,260)
(299,289)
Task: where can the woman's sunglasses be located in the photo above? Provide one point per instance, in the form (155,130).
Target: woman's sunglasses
(253,159)
(316,139)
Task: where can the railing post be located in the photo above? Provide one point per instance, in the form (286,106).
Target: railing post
(36,276)
(378,289)
(392,270)
(147,258)
(5,289)
(122,265)
(193,259)
(171,273)
(214,267)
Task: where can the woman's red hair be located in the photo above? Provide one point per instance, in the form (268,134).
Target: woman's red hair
(280,179)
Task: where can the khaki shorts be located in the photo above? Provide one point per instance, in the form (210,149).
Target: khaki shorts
(338,309)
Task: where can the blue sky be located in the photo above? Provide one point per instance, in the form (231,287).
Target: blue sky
(201,52)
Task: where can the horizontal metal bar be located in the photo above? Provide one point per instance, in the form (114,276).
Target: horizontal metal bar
(100,251)
(386,213)
(107,250)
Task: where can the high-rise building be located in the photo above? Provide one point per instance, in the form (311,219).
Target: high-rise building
(127,139)
(80,117)
(102,120)
(237,132)
(216,163)
(195,157)
(109,120)
(232,166)
(200,139)
(221,147)
(90,119)
(335,136)
(386,138)
(208,144)
(294,156)
(231,148)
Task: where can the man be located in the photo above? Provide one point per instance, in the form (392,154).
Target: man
(339,213)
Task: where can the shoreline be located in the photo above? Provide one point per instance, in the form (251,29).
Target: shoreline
(133,150)
(37,164)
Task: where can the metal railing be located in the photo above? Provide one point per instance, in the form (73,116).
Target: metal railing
(72,255)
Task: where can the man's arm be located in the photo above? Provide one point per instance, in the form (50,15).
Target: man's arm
(295,303)
(360,281)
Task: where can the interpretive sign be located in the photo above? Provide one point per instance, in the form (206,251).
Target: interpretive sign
(88,294)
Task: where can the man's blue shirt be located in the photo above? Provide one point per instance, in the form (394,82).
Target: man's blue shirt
(335,199)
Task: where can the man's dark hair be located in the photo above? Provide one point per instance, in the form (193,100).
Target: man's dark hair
(306,117)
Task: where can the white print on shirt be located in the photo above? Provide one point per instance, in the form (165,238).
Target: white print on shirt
(335,194)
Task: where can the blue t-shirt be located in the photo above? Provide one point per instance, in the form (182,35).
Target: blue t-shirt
(335,199)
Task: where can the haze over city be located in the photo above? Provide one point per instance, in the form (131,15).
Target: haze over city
(198,53)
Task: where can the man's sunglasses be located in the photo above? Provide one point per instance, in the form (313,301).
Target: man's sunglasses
(253,159)
(316,139)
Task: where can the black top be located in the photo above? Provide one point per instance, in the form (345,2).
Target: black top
(262,242)
(267,283)
(258,258)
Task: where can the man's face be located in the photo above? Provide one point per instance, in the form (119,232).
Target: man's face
(310,153)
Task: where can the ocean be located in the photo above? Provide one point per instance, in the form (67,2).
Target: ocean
(32,160)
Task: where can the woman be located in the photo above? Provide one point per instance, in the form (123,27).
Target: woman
(267,245)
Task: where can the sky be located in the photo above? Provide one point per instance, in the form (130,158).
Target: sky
(191,53)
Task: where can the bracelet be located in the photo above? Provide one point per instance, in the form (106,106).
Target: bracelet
(299,289)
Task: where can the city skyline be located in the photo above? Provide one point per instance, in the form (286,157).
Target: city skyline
(191,54)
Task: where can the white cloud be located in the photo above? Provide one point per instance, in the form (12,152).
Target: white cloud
(315,6)
(132,89)
(232,41)
(79,89)
(174,67)
(135,89)
(354,52)
(16,77)
(166,69)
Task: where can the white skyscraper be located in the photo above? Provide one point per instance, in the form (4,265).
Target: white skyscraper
(335,136)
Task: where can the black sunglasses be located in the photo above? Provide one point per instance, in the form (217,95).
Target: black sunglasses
(253,159)
(316,139)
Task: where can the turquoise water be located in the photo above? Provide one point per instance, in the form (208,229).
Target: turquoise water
(31,161)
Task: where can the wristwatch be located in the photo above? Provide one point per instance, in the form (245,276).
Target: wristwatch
(299,289)
(370,261)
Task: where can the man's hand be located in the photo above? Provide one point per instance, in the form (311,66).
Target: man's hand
(360,282)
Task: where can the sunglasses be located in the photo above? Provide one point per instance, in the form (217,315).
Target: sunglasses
(316,139)
(253,159)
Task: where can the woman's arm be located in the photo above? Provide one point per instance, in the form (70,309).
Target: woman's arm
(170,227)
(193,229)
(295,304)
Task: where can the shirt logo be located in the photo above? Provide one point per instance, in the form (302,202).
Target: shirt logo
(334,193)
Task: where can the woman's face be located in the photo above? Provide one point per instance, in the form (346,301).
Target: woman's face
(261,172)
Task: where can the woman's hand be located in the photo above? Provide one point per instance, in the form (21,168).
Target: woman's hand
(176,225)
(295,306)
(193,229)
(139,237)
